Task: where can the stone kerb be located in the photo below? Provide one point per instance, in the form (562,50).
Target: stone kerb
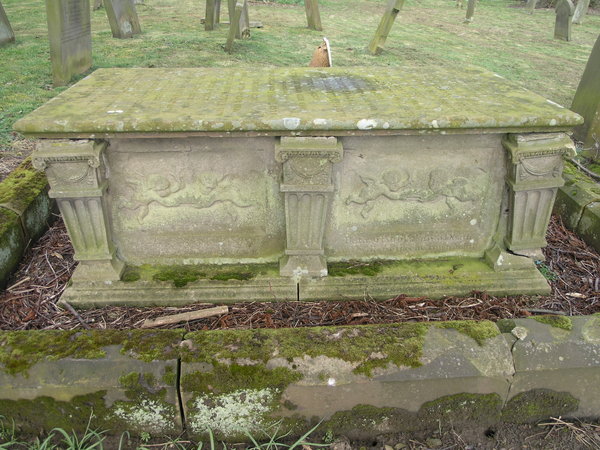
(123,18)
(361,381)
(25,211)
(6,32)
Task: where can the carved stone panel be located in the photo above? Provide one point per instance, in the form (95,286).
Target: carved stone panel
(195,200)
(412,196)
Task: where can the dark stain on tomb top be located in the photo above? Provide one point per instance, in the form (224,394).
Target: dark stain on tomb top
(292,100)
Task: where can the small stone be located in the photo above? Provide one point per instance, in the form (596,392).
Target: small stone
(519,332)
(399,446)
(388,447)
(433,443)
(341,443)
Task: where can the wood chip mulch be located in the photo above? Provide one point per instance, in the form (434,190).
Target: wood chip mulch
(30,301)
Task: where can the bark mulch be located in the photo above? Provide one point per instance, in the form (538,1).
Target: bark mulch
(31,299)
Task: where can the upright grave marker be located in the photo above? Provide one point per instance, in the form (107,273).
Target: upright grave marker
(6,32)
(212,14)
(123,18)
(587,104)
(240,24)
(313,17)
(531,4)
(97,4)
(69,32)
(580,11)
(381,34)
(235,24)
(564,14)
(470,11)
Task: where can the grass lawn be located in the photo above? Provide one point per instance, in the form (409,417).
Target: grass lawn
(502,38)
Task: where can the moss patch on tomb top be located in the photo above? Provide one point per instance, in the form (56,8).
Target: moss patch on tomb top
(367,347)
(21,187)
(19,350)
(181,275)
(562,322)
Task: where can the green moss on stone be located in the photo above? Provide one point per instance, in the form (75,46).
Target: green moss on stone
(130,274)
(538,404)
(463,407)
(170,376)
(370,268)
(370,347)
(19,350)
(22,186)
(478,330)
(506,325)
(179,275)
(562,322)
(224,276)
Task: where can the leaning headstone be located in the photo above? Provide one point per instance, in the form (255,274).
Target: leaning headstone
(69,32)
(580,11)
(242,24)
(381,34)
(6,32)
(531,4)
(587,104)
(97,4)
(312,15)
(564,14)
(123,18)
(470,11)
(234,25)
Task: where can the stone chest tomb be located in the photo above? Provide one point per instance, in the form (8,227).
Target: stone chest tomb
(182,185)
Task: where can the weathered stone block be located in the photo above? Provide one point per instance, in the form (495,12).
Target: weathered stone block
(589,225)
(587,103)
(125,379)
(69,32)
(557,367)
(12,243)
(572,199)
(123,18)
(413,374)
(6,32)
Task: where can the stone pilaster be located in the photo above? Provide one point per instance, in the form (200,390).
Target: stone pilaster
(534,173)
(307,184)
(77,176)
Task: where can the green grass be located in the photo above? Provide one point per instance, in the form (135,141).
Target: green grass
(502,38)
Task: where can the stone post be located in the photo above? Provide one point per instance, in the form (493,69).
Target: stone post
(564,17)
(381,34)
(307,184)
(123,18)
(531,4)
(580,11)
(533,176)
(470,11)
(313,17)
(78,180)
(212,14)
(70,35)
(6,32)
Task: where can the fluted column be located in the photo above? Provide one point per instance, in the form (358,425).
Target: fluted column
(307,184)
(534,175)
(77,177)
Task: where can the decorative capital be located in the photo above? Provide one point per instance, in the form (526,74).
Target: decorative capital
(537,145)
(327,148)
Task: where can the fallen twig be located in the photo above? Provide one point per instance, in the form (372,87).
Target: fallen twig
(185,317)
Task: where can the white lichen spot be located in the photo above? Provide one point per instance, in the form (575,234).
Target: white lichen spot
(553,122)
(298,273)
(320,121)
(331,382)
(217,125)
(555,104)
(366,124)
(434,124)
(291,123)
(147,415)
(471,241)
(560,358)
(231,414)
(354,228)
(519,332)
(500,260)
(323,272)
(386,125)
(473,222)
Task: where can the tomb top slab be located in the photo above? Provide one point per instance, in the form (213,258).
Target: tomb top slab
(287,101)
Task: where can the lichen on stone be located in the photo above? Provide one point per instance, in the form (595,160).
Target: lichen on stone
(538,404)
(556,321)
(478,330)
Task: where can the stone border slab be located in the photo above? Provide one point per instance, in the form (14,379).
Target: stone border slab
(25,212)
(360,381)
(578,203)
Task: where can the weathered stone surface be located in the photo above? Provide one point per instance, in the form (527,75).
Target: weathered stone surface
(414,374)
(69,32)
(531,4)
(587,103)
(12,243)
(578,192)
(589,225)
(580,11)
(385,25)
(58,379)
(157,100)
(564,17)
(560,354)
(123,18)
(313,16)
(470,11)
(6,32)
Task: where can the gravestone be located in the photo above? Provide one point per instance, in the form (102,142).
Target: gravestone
(587,104)
(470,11)
(381,34)
(6,32)
(234,25)
(123,18)
(564,14)
(212,14)
(69,32)
(97,4)
(580,11)
(313,16)
(241,24)
(531,4)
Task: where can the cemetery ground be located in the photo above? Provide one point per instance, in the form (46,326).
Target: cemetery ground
(502,38)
